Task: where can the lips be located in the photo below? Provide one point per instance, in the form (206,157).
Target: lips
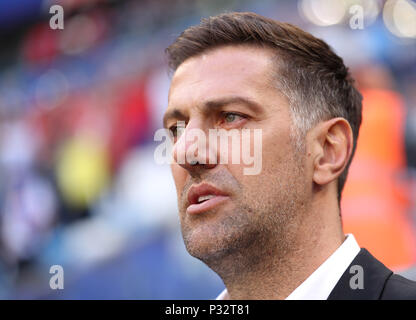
(204,197)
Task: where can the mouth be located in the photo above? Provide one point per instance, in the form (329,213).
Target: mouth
(204,197)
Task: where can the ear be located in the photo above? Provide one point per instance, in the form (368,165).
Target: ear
(332,143)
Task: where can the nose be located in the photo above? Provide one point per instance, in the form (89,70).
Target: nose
(192,150)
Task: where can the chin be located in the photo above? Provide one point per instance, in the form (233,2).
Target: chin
(202,247)
(210,246)
(202,237)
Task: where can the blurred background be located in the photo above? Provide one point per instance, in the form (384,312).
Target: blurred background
(79,186)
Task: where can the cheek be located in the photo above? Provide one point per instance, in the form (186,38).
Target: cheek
(179,176)
(277,160)
(277,145)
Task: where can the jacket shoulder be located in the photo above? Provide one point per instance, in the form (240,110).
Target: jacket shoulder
(399,288)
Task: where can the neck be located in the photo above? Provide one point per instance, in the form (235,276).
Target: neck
(272,271)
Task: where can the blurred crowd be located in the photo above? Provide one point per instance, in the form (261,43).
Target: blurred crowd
(79,186)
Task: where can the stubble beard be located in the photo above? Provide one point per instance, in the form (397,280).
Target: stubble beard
(257,227)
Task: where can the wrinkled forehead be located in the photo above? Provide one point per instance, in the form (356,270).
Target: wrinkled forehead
(228,70)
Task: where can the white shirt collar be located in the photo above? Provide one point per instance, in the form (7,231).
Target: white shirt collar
(322,281)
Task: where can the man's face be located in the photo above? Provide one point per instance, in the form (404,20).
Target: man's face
(253,210)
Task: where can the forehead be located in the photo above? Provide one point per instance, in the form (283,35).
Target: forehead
(229,70)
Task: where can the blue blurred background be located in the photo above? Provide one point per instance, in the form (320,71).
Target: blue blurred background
(79,186)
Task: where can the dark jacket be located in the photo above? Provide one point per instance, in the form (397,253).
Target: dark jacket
(379,282)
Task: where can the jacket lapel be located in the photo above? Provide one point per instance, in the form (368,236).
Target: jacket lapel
(375,276)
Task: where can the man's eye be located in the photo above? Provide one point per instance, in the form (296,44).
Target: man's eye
(174,130)
(231,117)
(177,129)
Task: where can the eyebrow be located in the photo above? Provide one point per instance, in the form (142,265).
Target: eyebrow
(212,105)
